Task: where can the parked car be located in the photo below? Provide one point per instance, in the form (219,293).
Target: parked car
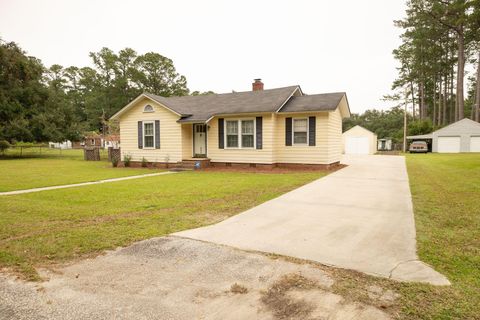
(418,147)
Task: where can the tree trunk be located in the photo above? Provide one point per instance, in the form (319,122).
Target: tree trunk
(460,74)
(477,92)
(422,100)
(434,101)
(453,104)
(413,99)
(439,115)
(445,91)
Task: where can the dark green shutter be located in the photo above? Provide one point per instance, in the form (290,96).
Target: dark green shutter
(259,132)
(312,121)
(157,134)
(288,131)
(221,142)
(140,135)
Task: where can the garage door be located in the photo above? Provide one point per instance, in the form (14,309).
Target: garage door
(448,144)
(474,144)
(357,145)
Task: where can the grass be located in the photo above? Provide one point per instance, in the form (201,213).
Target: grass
(50,227)
(46,228)
(446,198)
(54,167)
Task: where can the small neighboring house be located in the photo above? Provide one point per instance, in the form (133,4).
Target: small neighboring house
(272,127)
(384,144)
(60,145)
(460,136)
(358,140)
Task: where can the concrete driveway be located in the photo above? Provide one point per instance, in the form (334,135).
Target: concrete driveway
(358,218)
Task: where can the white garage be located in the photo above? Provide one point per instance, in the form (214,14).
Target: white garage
(461,136)
(448,144)
(359,140)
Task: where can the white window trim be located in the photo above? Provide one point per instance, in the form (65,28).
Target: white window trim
(153,109)
(239,134)
(293,132)
(143,134)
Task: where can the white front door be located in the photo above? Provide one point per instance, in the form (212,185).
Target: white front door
(199,140)
(448,144)
(357,145)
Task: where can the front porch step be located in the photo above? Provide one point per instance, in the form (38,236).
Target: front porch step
(192,163)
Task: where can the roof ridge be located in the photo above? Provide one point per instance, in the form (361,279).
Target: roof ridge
(224,93)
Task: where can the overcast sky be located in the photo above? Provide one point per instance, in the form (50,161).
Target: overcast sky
(322,45)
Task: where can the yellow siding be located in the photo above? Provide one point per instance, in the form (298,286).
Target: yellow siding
(176,140)
(170,133)
(187,140)
(264,155)
(317,154)
(334,136)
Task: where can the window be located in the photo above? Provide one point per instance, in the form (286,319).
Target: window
(240,134)
(247,134)
(148,135)
(232,134)
(148,108)
(300,129)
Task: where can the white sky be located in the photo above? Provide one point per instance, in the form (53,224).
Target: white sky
(323,45)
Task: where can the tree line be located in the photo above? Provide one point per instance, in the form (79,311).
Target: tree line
(61,103)
(440,39)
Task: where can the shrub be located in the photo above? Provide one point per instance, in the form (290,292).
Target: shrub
(114,161)
(126,160)
(144,162)
(4,145)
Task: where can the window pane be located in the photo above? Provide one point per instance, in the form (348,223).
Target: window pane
(232,141)
(149,141)
(299,137)
(300,125)
(247,126)
(148,128)
(247,141)
(232,127)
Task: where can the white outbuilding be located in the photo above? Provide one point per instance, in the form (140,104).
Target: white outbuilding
(461,136)
(358,140)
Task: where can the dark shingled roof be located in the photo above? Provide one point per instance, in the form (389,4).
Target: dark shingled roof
(314,102)
(201,108)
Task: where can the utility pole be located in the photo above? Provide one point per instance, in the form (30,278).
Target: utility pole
(405,123)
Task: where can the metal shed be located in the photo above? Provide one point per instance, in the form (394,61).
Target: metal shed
(461,136)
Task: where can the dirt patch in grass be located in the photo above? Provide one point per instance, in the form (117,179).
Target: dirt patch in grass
(281,304)
(238,289)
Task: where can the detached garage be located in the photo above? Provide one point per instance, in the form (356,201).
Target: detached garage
(461,136)
(359,140)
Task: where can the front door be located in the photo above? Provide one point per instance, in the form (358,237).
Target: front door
(199,140)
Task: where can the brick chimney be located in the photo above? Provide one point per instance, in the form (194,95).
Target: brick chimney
(257,85)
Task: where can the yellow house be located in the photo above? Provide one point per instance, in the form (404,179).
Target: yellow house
(275,127)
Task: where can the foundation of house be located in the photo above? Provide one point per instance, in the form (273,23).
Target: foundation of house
(202,163)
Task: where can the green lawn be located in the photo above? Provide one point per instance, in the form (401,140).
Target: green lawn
(55,167)
(446,197)
(39,229)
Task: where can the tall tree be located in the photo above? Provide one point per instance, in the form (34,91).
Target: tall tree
(22,94)
(157,74)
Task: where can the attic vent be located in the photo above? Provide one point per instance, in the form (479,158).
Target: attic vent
(148,108)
